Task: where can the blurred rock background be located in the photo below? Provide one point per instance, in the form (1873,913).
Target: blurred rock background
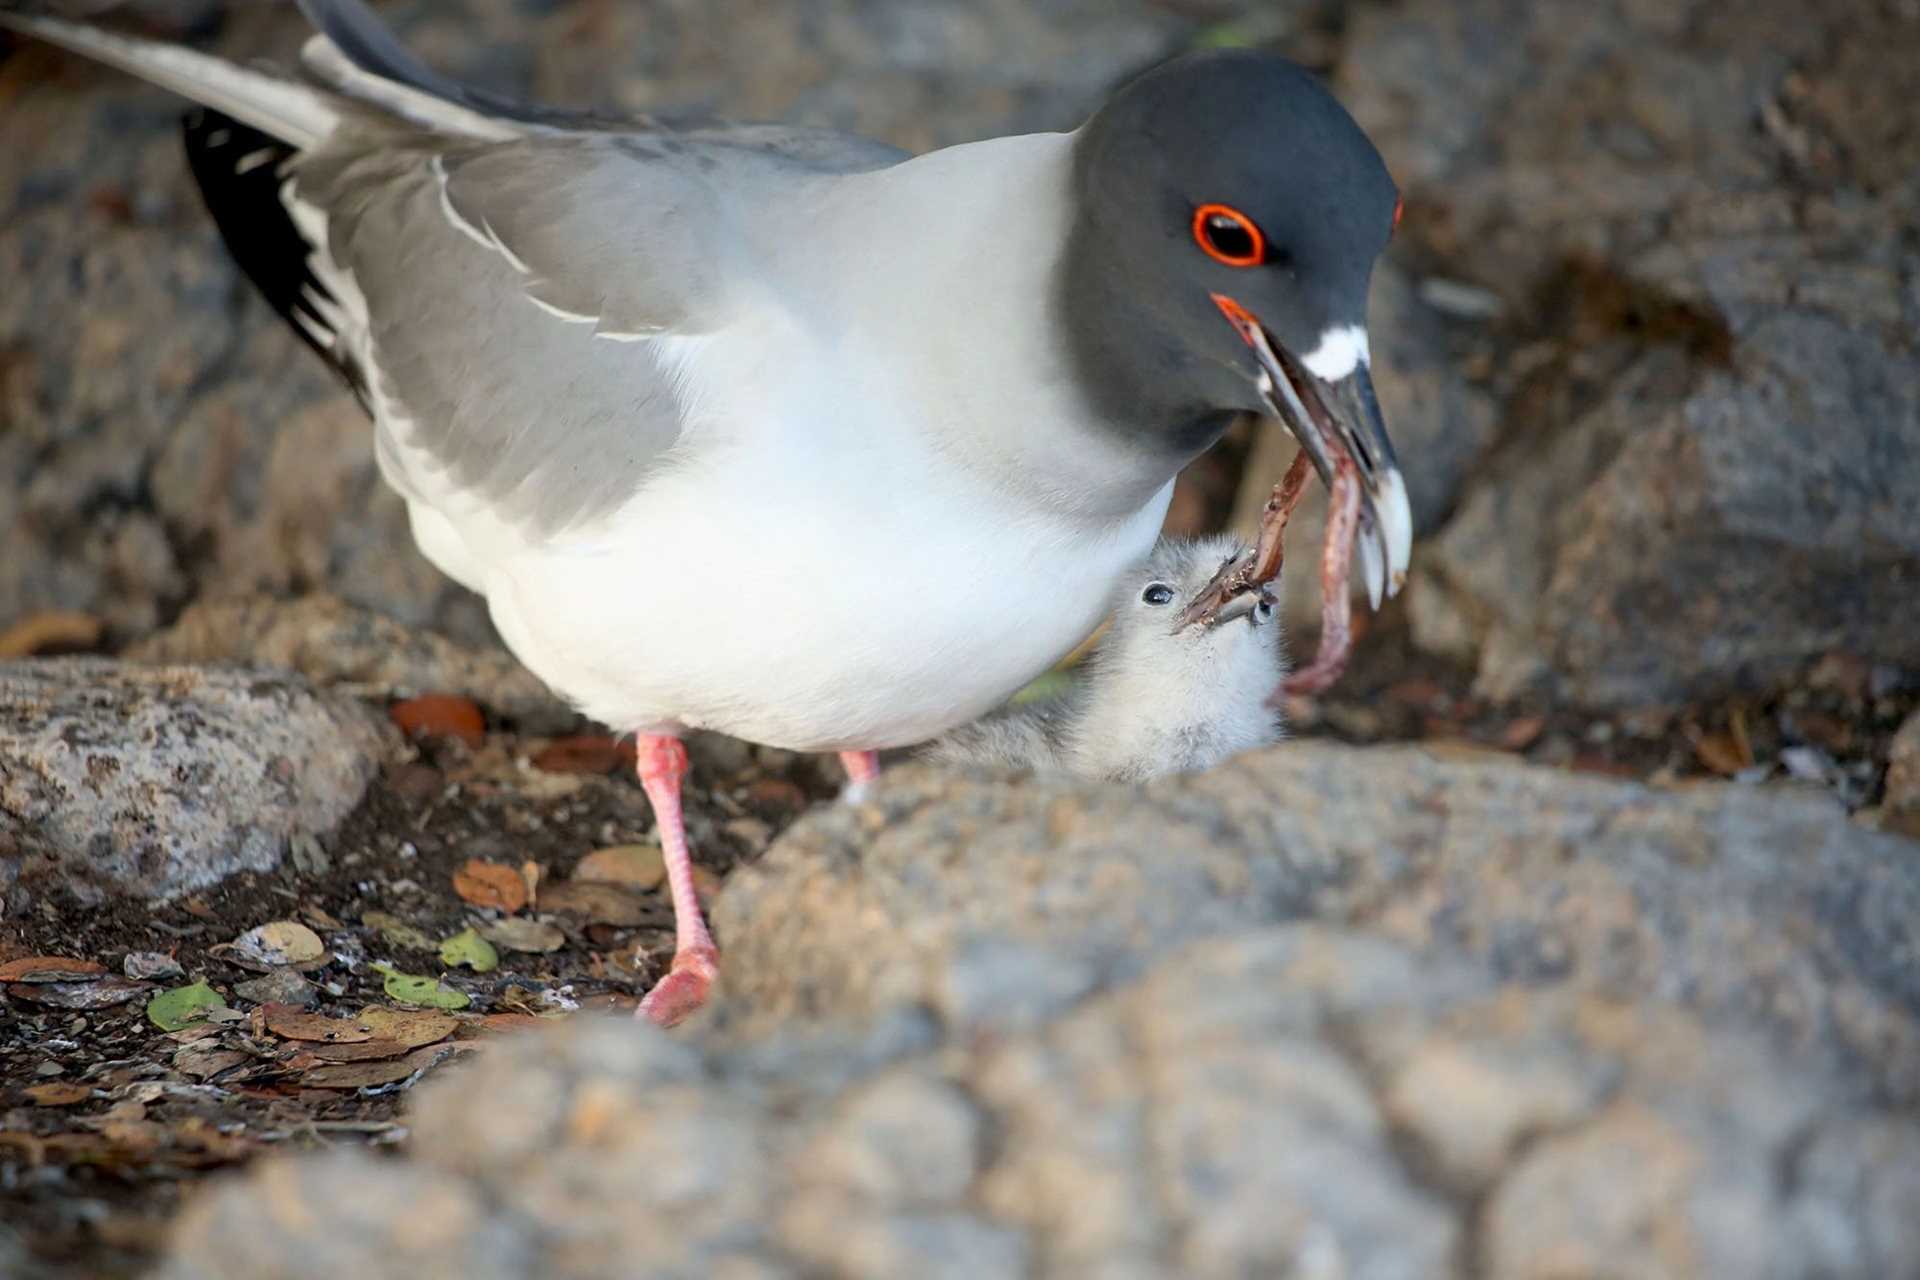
(1646,344)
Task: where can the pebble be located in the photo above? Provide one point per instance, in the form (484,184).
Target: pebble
(282,986)
(147,966)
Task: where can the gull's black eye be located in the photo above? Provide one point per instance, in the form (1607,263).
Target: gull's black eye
(1229,236)
(1158,593)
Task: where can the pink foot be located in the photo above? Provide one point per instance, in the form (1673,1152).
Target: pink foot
(863,769)
(684,989)
(696,962)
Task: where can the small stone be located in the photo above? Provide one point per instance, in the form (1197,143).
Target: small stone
(1903,769)
(151,966)
(282,986)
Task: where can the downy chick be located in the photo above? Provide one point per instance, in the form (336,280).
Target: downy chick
(1148,700)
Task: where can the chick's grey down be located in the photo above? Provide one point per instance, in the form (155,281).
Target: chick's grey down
(1149,699)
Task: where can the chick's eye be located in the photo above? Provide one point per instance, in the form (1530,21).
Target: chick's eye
(1158,593)
(1228,236)
(1264,609)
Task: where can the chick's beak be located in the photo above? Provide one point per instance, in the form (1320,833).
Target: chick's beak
(1337,421)
(1244,605)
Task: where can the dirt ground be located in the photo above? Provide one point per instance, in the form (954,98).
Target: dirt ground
(111,1122)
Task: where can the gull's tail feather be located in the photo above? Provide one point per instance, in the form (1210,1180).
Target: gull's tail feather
(294,113)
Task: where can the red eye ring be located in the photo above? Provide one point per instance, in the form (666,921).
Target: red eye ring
(1252,255)
(1399,211)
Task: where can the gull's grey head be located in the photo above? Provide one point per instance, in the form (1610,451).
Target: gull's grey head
(1228,213)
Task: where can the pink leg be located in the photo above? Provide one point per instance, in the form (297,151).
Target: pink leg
(862,767)
(663,766)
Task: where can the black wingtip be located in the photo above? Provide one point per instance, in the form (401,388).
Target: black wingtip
(239,171)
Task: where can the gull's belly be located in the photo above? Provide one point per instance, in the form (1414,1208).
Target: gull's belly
(803,611)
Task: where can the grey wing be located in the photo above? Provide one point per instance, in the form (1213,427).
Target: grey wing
(509,293)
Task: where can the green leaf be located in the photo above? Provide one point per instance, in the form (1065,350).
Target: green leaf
(1050,685)
(398,932)
(468,948)
(183,1006)
(411,988)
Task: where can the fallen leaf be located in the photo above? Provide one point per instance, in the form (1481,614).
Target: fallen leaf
(530,872)
(490,884)
(398,932)
(587,754)
(57,1093)
(365,1075)
(638,866)
(411,1027)
(290,1022)
(56,630)
(279,944)
(94,993)
(508,1022)
(1720,752)
(203,1062)
(523,933)
(150,965)
(172,1010)
(412,988)
(468,948)
(363,1051)
(1523,733)
(50,969)
(438,715)
(599,902)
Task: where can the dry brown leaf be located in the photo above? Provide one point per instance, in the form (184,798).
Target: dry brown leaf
(1720,752)
(363,1075)
(437,715)
(504,1022)
(57,1093)
(363,1051)
(637,866)
(587,754)
(55,630)
(523,933)
(293,1023)
(599,902)
(411,1027)
(490,884)
(1523,733)
(530,873)
(205,1063)
(277,944)
(50,969)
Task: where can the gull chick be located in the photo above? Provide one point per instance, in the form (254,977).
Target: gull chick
(1153,697)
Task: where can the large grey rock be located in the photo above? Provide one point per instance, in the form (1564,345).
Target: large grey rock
(1285,1101)
(1323,1012)
(1711,468)
(332,642)
(997,903)
(150,781)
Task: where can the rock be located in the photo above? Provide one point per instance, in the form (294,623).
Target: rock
(1903,770)
(330,641)
(1708,472)
(1221,1113)
(1762,903)
(150,781)
(279,986)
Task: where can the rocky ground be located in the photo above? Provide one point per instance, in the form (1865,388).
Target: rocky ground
(1578,934)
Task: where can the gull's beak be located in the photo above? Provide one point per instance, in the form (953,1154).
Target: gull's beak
(1243,605)
(1336,421)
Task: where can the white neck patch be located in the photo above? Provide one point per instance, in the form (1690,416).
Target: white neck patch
(1339,353)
